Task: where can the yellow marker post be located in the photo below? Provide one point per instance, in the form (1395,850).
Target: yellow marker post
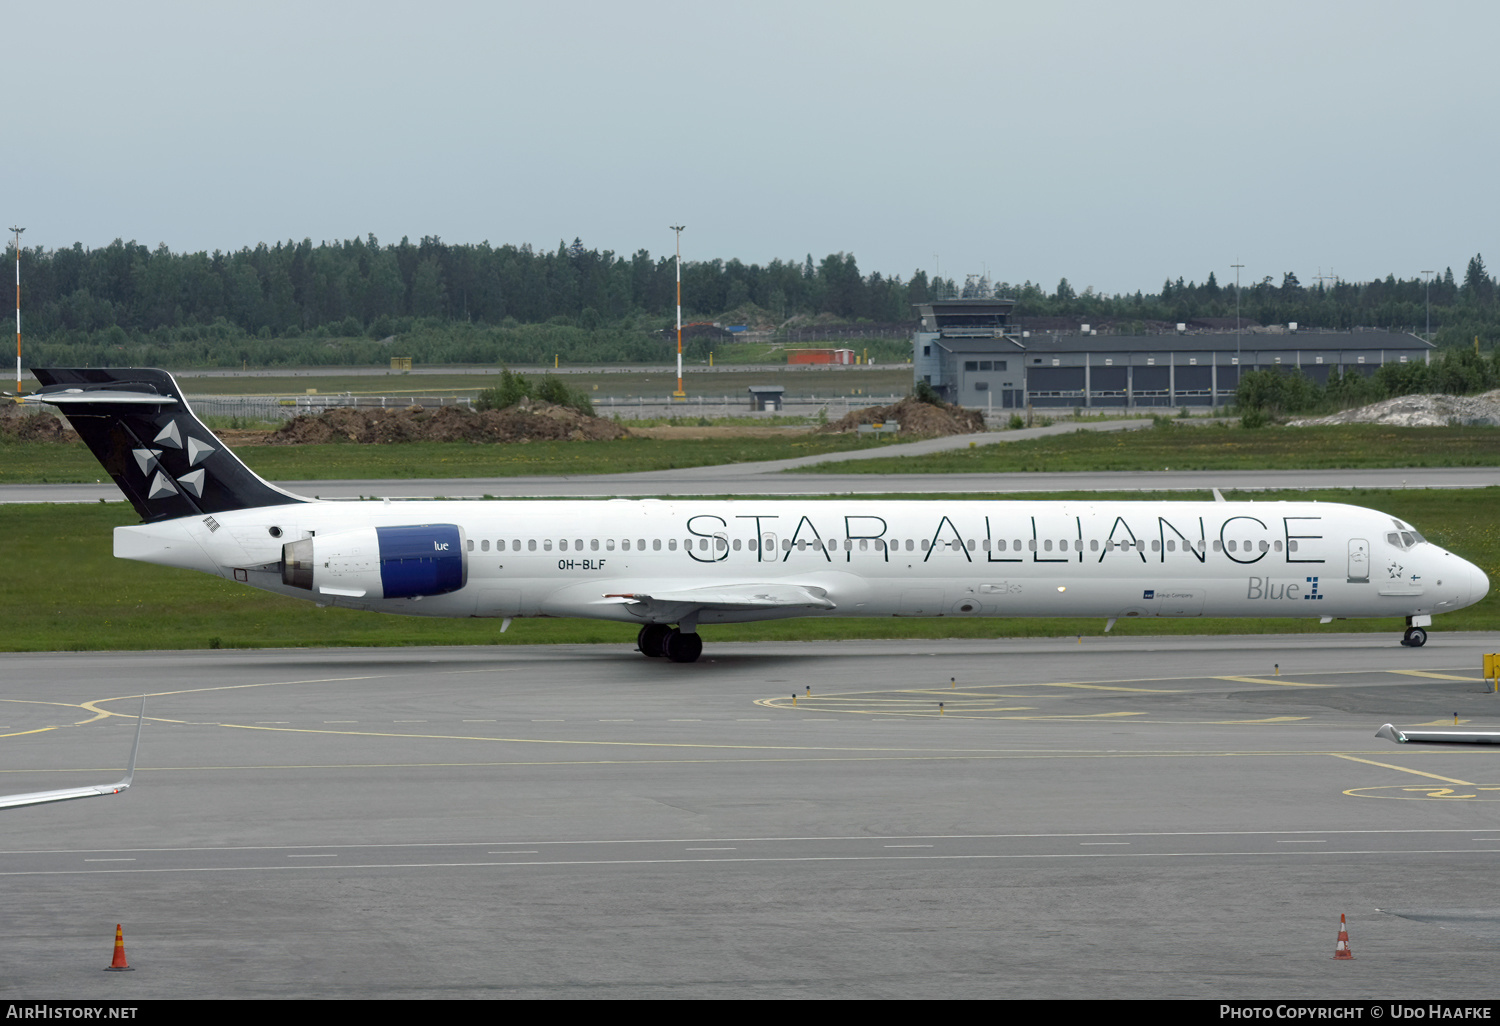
(1278,668)
(794,699)
(940,708)
(809,691)
(953,682)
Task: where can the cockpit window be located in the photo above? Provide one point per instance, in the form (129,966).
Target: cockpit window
(1404,539)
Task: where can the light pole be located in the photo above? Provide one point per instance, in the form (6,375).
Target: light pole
(18,232)
(679,394)
(1429,303)
(1237,371)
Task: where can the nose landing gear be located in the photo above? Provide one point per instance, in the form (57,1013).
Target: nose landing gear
(1415,637)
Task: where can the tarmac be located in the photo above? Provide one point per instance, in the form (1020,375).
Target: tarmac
(1024,818)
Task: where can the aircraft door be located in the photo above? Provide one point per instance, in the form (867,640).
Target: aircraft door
(1359,560)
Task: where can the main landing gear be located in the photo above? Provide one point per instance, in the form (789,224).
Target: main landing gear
(1415,637)
(657,639)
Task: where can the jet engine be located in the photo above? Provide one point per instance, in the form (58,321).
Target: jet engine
(379,562)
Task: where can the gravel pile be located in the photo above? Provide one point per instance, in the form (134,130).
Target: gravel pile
(1419,411)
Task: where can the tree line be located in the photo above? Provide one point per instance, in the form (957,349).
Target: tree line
(345,297)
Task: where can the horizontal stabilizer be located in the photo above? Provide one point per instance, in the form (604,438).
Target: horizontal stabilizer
(1438,737)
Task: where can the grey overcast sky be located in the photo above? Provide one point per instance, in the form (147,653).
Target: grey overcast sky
(1116,144)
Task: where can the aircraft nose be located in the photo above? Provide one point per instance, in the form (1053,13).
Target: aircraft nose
(1479,584)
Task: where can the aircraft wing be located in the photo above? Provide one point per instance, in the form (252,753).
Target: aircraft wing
(1438,737)
(672,604)
(11,801)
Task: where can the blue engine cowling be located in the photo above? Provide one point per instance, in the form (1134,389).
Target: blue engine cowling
(379,562)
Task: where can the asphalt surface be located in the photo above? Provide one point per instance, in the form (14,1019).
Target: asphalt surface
(1116,818)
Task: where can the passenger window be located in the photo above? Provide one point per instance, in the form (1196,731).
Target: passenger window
(1291,546)
(1231,547)
(471,544)
(656,544)
(736,545)
(609,545)
(594,544)
(1264,547)
(720,545)
(1219,546)
(786,545)
(971,544)
(484,546)
(926,544)
(1031,545)
(562,545)
(499,544)
(702,544)
(999,544)
(625,545)
(1156,545)
(531,544)
(640,543)
(1171,545)
(1047,544)
(1093,544)
(546,544)
(672,544)
(1278,545)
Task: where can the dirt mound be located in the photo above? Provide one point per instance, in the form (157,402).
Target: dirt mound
(917,419)
(19,424)
(1419,411)
(525,422)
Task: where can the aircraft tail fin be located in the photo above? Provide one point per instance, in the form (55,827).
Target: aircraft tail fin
(139,427)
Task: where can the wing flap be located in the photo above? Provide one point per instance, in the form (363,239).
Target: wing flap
(726,598)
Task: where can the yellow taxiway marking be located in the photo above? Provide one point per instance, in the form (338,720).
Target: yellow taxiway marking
(1445,722)
(1404,769)
(1274,680)
(1268,719)
(1438,676)
(1105,687)
(38,730)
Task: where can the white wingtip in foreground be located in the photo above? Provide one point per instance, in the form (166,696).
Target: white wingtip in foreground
(1438,737)
(12,801)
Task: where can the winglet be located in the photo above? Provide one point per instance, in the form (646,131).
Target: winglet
(1390,733)
(11,801)
(140,721)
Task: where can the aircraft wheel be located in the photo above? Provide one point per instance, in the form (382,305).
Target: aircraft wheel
(652,639)
(682,648)
(1415,637)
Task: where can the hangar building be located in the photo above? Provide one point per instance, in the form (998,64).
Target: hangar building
(973,354)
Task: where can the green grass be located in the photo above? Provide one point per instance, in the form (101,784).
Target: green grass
(1206,447)
(1177,448)
(71,463)
(70,593)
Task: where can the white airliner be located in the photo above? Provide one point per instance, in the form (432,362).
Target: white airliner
(671,566)
(11,801)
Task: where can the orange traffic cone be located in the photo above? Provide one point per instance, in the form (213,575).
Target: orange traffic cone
(1341,950)
(119,965)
